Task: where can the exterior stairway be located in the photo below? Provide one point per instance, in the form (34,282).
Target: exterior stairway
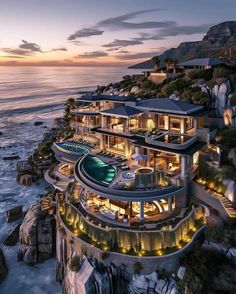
(226,203)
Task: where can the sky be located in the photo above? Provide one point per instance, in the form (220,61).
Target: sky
(102,32)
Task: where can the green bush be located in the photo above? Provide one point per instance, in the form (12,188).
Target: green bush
(221,72)
(177,85)
(205,74)
(227,138)
(200,98)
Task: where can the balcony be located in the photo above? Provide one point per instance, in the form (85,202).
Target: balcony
(171,140)
(90,110)
(127,241)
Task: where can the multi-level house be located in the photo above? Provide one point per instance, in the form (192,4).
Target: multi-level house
(126,175)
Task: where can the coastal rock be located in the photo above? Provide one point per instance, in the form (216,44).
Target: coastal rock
(38,123)
(3,266)
(23,166)
(14,214)
(231,255)
(36,236)
(135,90)
(25,179)
(13,237)
(11,157)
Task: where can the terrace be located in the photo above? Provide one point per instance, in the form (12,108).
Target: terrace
(171,140)
(137,242)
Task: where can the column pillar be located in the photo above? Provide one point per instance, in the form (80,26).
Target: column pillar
(126,125)
(170,204)
(182,125)
(102,142)
(141,210)
(183,166)
(104,122)
(130,212)
(195,124)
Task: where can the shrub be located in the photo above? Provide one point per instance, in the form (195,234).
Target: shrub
(177,85)
(227,138)
(220,72)
(200,98)
(205,74)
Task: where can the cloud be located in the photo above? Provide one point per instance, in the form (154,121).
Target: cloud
(24,49)
(139,55)
(33,47)
(16,51)
(121,22)
(85,33)
(59,49)
(12,56)
(117,43)
(173,31)
(93,54)
(184,30)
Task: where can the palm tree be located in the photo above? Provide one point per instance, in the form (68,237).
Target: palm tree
(175,61)
(156,61)
(168,63)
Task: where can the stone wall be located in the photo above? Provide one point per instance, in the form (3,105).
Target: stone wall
(168,262)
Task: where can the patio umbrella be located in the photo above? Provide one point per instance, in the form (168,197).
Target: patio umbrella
(139,157)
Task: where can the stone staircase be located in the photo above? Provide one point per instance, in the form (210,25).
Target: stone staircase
(226,203)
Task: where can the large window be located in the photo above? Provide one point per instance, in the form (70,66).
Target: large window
(115,143)
(174,124)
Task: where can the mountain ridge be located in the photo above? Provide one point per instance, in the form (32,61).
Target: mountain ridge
(218,38)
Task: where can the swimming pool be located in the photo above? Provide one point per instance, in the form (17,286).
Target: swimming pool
(98,170)
(74,147)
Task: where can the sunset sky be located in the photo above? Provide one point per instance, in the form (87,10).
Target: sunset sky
(102,32)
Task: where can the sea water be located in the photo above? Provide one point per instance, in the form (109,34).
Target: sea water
(27,95)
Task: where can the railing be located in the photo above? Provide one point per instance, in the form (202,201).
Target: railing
(126,195)
(130,241)
(154,140)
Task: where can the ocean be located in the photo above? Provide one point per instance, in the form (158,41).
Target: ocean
(29,94)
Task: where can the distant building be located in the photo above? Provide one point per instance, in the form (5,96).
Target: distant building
(200,63)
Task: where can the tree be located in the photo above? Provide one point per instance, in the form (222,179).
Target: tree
(156,61)
(168,62)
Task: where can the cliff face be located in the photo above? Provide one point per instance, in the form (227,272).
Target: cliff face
(36,236)
(222,34)
(218,38)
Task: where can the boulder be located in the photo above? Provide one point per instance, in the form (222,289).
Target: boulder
(135,90)
(37,241)
(14,214)
(25,179)
(231,255)
(38,123)
(13,237)
(3,266)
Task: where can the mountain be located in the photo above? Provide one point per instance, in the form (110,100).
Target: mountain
(218,42)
